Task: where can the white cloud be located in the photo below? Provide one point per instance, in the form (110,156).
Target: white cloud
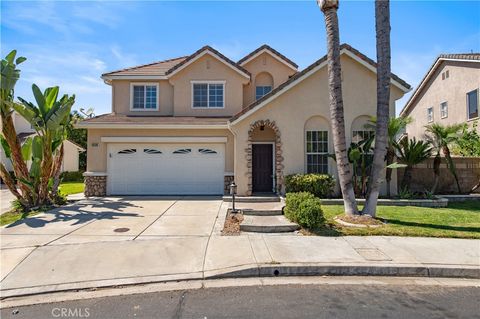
(123,59)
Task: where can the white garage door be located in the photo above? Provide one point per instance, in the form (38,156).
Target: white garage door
(165,169)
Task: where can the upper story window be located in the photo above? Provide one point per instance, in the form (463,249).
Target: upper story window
(445,75)
(208,94)
(430,114)
(261,91)
(472,104)
(444,110)
(144,96)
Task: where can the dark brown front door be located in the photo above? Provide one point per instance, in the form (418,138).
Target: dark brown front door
(262,168)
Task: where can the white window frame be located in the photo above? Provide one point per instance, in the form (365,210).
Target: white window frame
(132,84)
(444,113)
(429,120)
(317,153)
(263,86)
(468,106)
(208,95)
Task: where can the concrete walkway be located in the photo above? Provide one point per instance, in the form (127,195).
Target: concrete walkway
(120,241)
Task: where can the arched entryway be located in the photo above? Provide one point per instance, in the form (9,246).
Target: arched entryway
(264,158)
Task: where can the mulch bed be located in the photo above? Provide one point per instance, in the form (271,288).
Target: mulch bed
(364,220)
(232,224)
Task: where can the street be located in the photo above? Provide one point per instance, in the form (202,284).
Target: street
(279,301)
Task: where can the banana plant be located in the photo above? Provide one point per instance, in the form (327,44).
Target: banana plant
(360,156)
(49,118)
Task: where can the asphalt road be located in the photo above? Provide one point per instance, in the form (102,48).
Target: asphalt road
(285,301)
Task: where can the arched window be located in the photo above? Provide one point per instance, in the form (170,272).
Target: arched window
(263,84)
(360,130)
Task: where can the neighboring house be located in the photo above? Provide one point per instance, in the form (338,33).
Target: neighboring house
(25,130)
(448,94)
(192,125)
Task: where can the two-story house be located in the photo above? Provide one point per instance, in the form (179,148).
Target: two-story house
(192,125)
(448,94)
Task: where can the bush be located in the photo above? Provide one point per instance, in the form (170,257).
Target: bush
(320,185)
(304,209)
(72,176)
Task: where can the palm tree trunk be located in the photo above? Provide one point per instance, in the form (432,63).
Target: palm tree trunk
(19,166)
(382,26)
(388,176)
(451,167)
(407,177)
(57,170)
(336,109)
(436,170)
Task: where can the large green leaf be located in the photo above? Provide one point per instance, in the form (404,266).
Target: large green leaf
(51,96)
(27,149)
(58,118)
(40,98)
(11,56)
(37,148)
(396,165)
(20,59)
(26,111)
(5,147)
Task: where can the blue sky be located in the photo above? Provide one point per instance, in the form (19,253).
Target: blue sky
(71,44)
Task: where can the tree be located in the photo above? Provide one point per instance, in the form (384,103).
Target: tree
(468,142)
(412,152)
(10,143)
(49,118)
(441,138)
(78,136)
(382,27)
(395,127)
(329,9)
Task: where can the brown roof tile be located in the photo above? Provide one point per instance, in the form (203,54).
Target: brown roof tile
(155,68)
(269,48)
(460,56)
(298,75)
(112,118)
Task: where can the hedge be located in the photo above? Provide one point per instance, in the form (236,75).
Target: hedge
(304,209)
(320,185)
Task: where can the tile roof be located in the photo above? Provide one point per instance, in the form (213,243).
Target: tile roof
(155,68)
(298,75)
(472,57)
(269,48)
(112,118)
(201,50)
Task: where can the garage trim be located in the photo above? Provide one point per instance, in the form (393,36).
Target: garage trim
(162,139)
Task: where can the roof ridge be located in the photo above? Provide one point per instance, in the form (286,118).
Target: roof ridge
(268,47)
(144,65)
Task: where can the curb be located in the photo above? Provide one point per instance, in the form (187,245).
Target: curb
(264,270)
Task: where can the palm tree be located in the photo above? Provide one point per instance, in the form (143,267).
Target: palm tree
(441,137)
(412,152)
(10,142)
(49,119)
(395,128)
(382,27)
(329,9)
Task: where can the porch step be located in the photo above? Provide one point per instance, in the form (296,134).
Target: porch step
(261,208)
(252,199)
(267,224)
(264,212)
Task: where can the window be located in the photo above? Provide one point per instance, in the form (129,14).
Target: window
(208,95)
(358,136)
(183,151)
(317,152)
(151,151)
(444,110)
(144,97)
(206,151)
(128,151)
(472,104)
(430,114)
(261,91)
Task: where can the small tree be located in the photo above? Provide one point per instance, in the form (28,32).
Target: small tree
(441,138)
(412,152)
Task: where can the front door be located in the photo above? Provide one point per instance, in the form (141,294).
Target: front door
(262,168)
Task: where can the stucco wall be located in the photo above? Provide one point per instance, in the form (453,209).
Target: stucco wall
(310,98)
(468,172)
(70,157)
(121,97)
(97,156)
(265,63)
(204,69)
(463,77)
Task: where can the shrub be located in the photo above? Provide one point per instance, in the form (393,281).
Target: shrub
(320,185)
(72,176)
(304,209)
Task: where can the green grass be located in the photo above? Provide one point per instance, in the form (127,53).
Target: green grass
(458,220)
(68,188)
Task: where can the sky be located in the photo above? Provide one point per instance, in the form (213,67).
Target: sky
(71,43)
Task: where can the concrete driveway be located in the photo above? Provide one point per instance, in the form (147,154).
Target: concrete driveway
(6,199)
(115,219)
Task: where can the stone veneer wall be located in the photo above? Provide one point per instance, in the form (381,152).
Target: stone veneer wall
(468,172)
(278,155)
(95,185)
(227,180)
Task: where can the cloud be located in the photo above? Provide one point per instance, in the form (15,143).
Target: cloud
(123,59)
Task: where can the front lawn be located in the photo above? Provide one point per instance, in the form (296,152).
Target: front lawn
(461,220)
(68,188)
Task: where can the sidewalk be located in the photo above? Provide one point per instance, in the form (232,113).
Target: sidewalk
(32,270)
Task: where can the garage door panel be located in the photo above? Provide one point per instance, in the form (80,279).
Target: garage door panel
(168,169)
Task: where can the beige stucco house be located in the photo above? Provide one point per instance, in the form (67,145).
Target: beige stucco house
(24,130)
(192,125)
(448,94)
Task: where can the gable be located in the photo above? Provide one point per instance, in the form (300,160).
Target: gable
(267,50)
